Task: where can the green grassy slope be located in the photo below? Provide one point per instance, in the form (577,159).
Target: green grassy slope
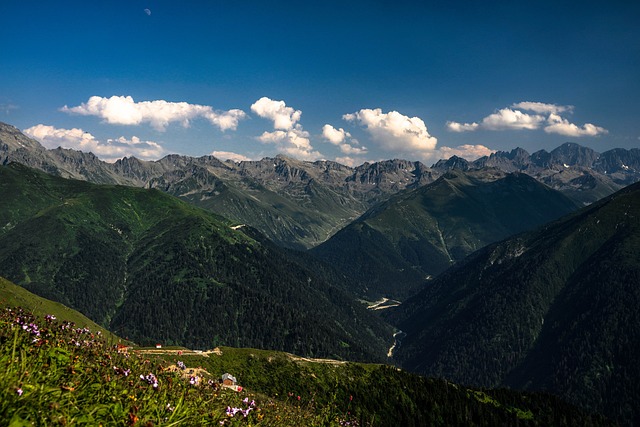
(153,268)
(54,374)
(12,295)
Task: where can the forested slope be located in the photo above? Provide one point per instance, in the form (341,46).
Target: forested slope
(153,268)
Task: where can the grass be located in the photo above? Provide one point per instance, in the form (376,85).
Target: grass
(55,373)
(12,295)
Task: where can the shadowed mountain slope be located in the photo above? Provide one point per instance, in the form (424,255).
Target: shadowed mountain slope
(554,309)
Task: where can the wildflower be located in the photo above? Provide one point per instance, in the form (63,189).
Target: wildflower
(181,365)
(194,380)
(170,408)
(150,379)
(19,391)
(121,371)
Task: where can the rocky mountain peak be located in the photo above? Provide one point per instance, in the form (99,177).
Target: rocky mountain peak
(573,154)
(454,162)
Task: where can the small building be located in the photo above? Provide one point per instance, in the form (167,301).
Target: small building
(229,380)
(123,349)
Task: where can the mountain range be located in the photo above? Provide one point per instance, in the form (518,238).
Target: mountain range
(417,234)
(552,309)
(300,204)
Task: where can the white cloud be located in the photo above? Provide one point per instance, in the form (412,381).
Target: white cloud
(229,155)
(394,131)
(289,136)
(123,110)
(333,135)
(342,139)
(349,161)
(350,149)
(467,151)
(109,151)
(293,142)
(562,126)
(283,117)
(507,118)
(542,108)
(461,127)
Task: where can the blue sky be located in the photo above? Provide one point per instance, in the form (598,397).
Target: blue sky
(348,81)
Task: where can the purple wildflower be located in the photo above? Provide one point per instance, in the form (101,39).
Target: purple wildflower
(150,379)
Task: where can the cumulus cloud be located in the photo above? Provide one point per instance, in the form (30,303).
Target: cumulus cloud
(562,126)
(293,142)
(333,135)
(289,137)
(394,131)
(513,118)
(542,108)
(350,149)
(342,139)
(467,151)
(507,118)
(283,117)
(229,155)
(109,151)
(349,161)
(123,110)
(461,127)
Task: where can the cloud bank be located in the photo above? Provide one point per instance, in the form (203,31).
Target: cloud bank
(546,116)
(109,151)
(123,110)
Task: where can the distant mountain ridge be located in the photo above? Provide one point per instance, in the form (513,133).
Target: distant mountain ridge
(417,234)
(300,204)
